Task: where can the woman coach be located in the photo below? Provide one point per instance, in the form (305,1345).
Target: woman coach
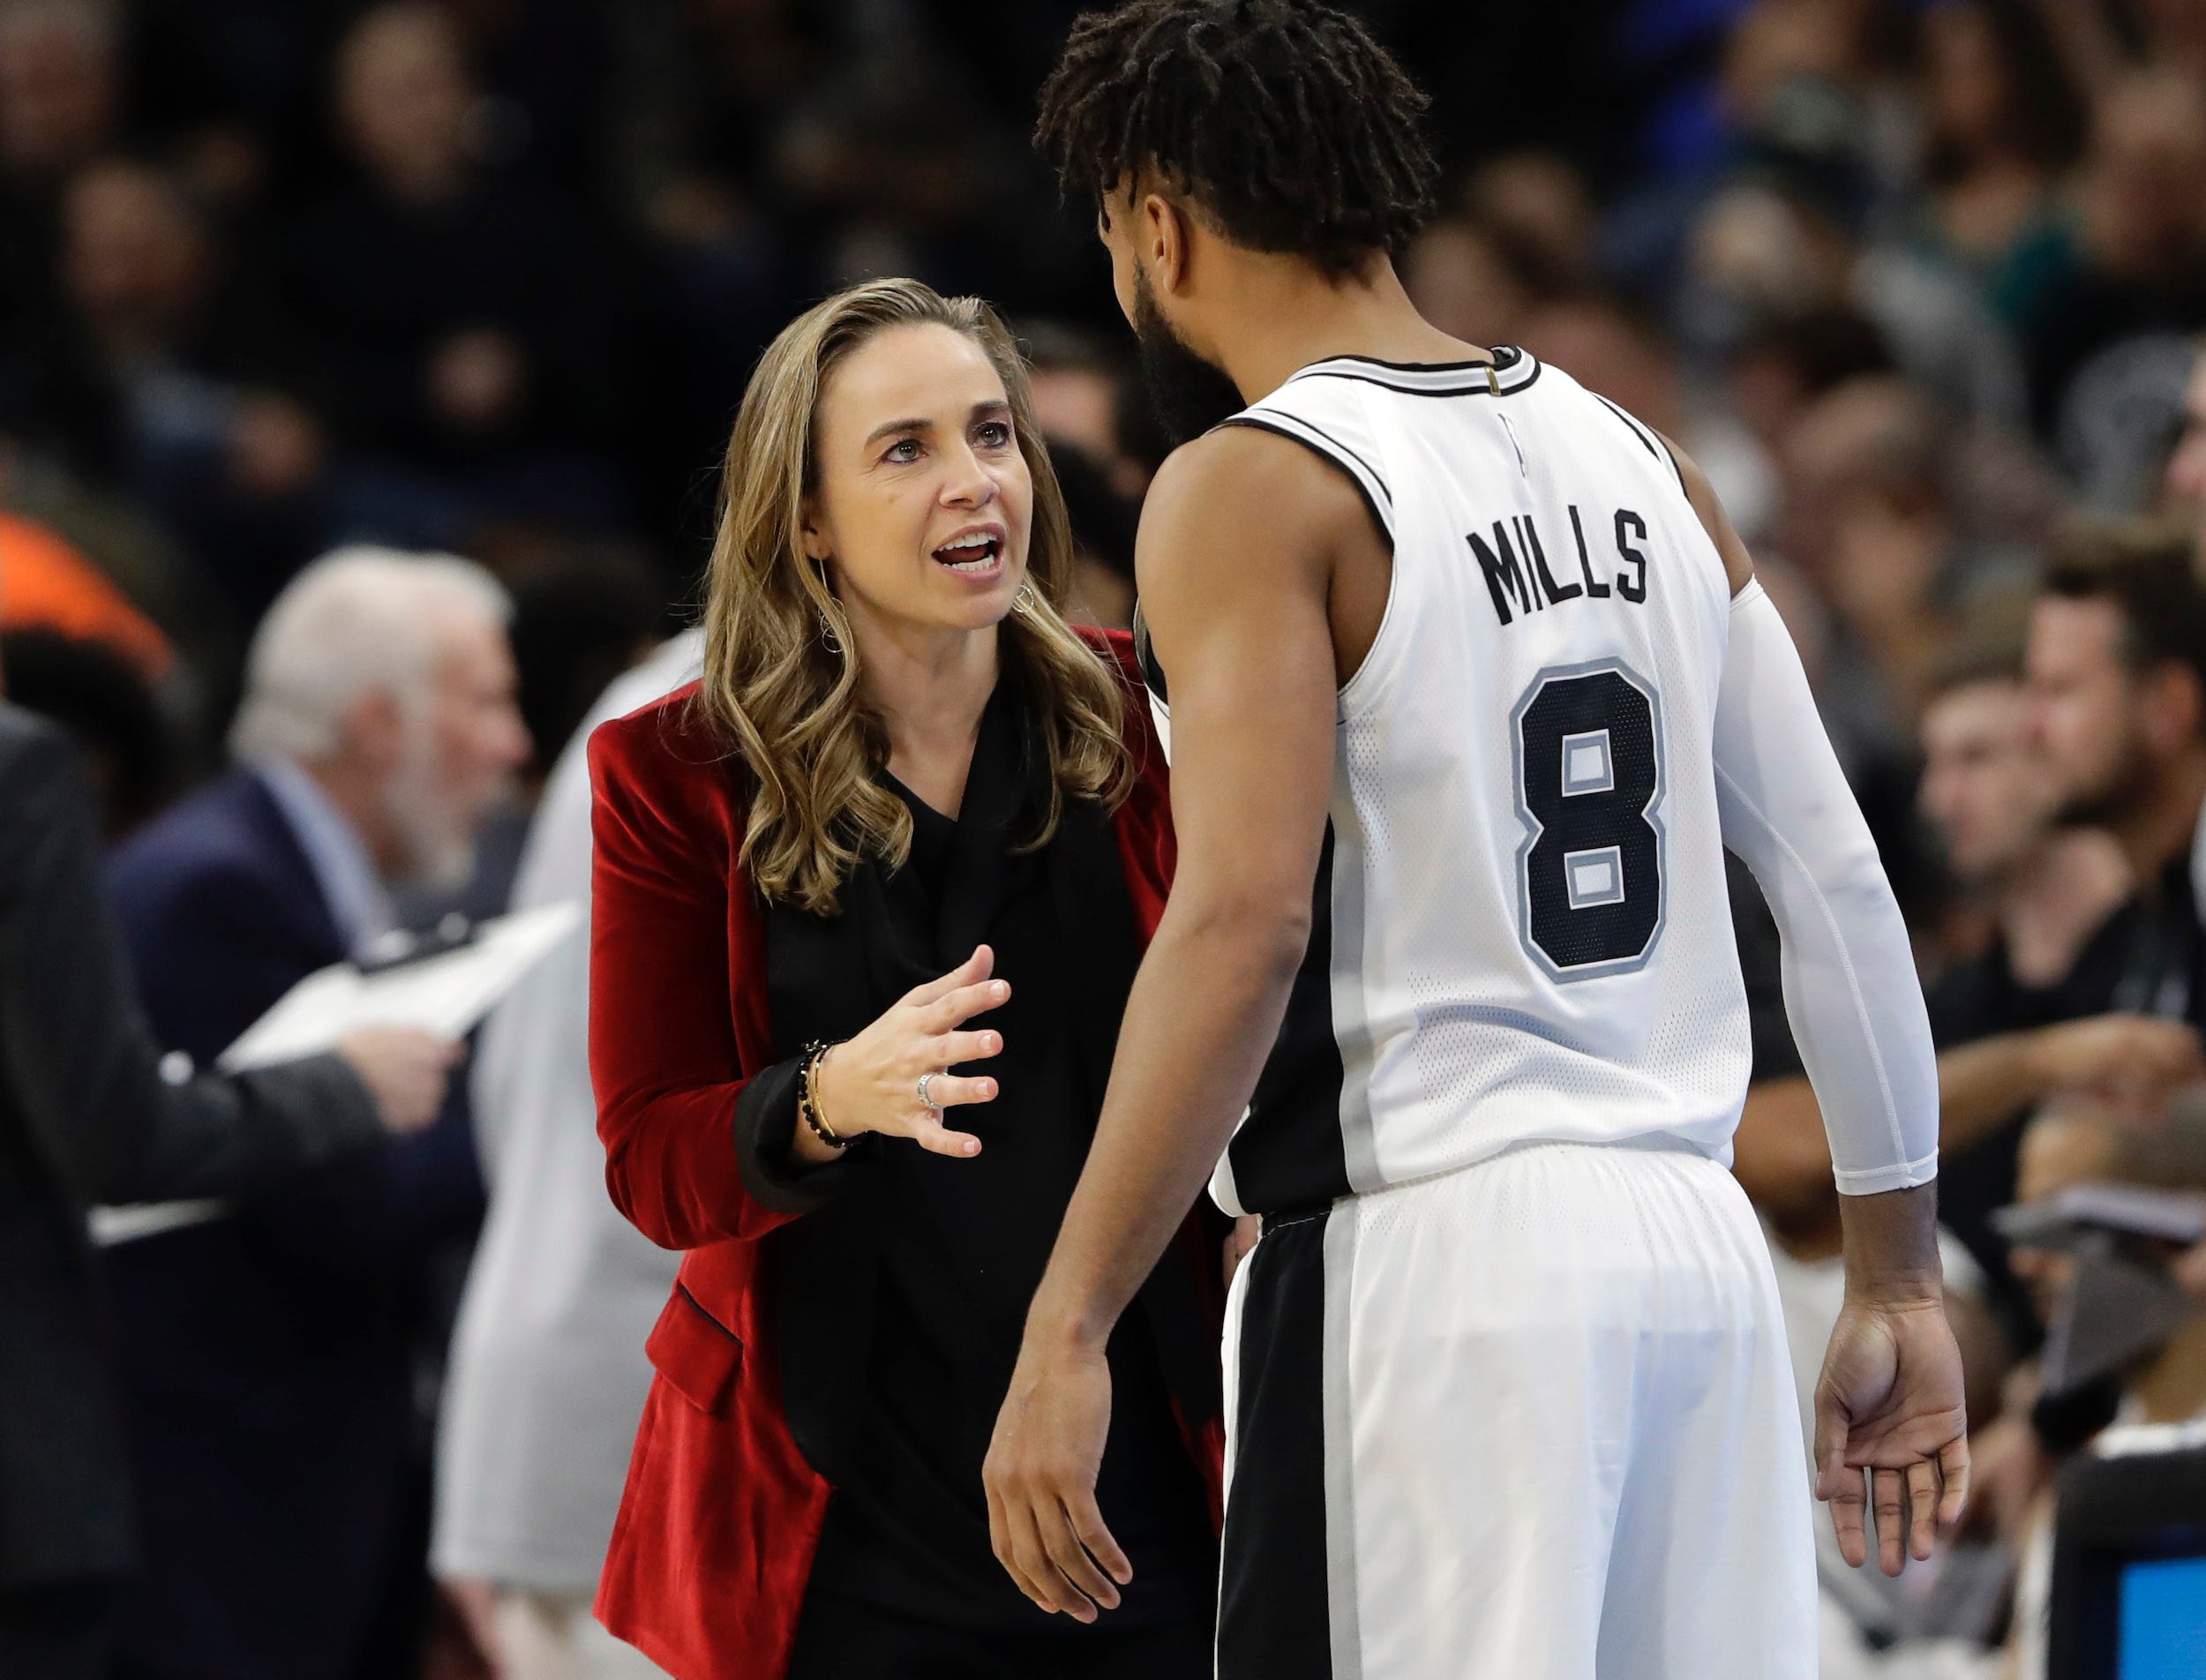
(908,822)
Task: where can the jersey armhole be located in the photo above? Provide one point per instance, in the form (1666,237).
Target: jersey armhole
(1377,500)
(1649,440)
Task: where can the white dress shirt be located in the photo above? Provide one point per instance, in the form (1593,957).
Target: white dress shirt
(354,891)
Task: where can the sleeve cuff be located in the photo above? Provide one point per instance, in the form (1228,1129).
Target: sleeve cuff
(1875,1181)
(765,1121)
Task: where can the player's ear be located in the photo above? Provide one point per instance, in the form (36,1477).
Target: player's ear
(1165,232)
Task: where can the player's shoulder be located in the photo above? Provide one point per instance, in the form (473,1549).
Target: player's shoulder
(1254,482)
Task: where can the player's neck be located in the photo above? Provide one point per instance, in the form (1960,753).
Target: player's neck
(1287,315)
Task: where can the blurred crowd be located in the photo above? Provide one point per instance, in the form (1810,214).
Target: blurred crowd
(295,292)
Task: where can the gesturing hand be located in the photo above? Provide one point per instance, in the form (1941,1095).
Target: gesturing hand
(1040,1474)
(1889,1401)
(871,1082)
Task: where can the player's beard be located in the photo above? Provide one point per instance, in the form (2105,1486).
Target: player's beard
(1188,394)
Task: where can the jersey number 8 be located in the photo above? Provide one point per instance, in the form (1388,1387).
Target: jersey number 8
(1589,874)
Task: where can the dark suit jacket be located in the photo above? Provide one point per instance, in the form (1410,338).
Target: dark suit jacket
(268,1358)
(714,1544)
(86,1117)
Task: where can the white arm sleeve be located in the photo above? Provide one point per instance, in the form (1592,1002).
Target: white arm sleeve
(1851,988)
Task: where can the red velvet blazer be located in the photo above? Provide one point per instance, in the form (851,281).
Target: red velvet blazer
(715,1535)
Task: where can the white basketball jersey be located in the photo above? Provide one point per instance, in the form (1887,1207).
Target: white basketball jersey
(1521,926)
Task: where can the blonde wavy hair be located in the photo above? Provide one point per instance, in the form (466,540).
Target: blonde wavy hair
(785,697)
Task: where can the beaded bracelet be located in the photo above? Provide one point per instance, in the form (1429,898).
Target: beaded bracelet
(813,1053)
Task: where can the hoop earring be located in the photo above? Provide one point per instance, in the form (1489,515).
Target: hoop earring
(829,639)
(1023,601)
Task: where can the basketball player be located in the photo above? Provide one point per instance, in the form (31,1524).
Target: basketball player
(1470,683)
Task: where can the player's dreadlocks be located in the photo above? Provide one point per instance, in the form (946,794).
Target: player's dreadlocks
(1284,123)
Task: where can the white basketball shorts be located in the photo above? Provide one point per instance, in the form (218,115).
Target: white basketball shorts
(1532,1420)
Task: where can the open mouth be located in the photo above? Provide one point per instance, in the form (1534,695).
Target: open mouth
(974,551)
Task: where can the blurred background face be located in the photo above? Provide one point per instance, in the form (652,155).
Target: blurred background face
(2143,205)
(1462,284)
(2082,705)
(134,256)
(1965,84)
(923,504)
(403,94)
(56,90)
(464,743)
(1987,789)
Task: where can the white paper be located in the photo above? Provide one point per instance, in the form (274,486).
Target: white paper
(114,1225)
(447,995)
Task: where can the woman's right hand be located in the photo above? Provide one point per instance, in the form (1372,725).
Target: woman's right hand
(871,1082)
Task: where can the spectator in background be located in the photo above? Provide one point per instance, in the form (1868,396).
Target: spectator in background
(107,709)
(700,91)
(87,1116)
(1793,233)
(1780,366)
(2012,1024)
(60,102)
(1463,282)
(2006,123)
(1871,522)
(2027,1015)
(162,373)
(583,615)
(52,586)
(466,345)
(548,1374)
(1091,398)
(268,1358)
(2117,665)
(2140,263)
(583,611)
(1103,522)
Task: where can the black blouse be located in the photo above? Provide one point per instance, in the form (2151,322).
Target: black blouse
(955,1247)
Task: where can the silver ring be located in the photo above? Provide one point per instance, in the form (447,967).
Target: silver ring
(927,1101)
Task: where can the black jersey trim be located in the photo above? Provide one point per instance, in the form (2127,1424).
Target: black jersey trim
(1504,358)
(1649,439)
(1370,473)
(1349,463)
(1498,387)
(1292,1151)
(1145,653)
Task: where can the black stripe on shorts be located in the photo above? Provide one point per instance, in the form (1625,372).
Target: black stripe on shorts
(1274,1620)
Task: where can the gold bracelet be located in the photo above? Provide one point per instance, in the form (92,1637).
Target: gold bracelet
(808,1106)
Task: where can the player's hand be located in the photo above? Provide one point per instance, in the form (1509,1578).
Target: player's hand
(1040,1474)
(1239,1241)
(1889,1401)
(405,1070)
(870,1083)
